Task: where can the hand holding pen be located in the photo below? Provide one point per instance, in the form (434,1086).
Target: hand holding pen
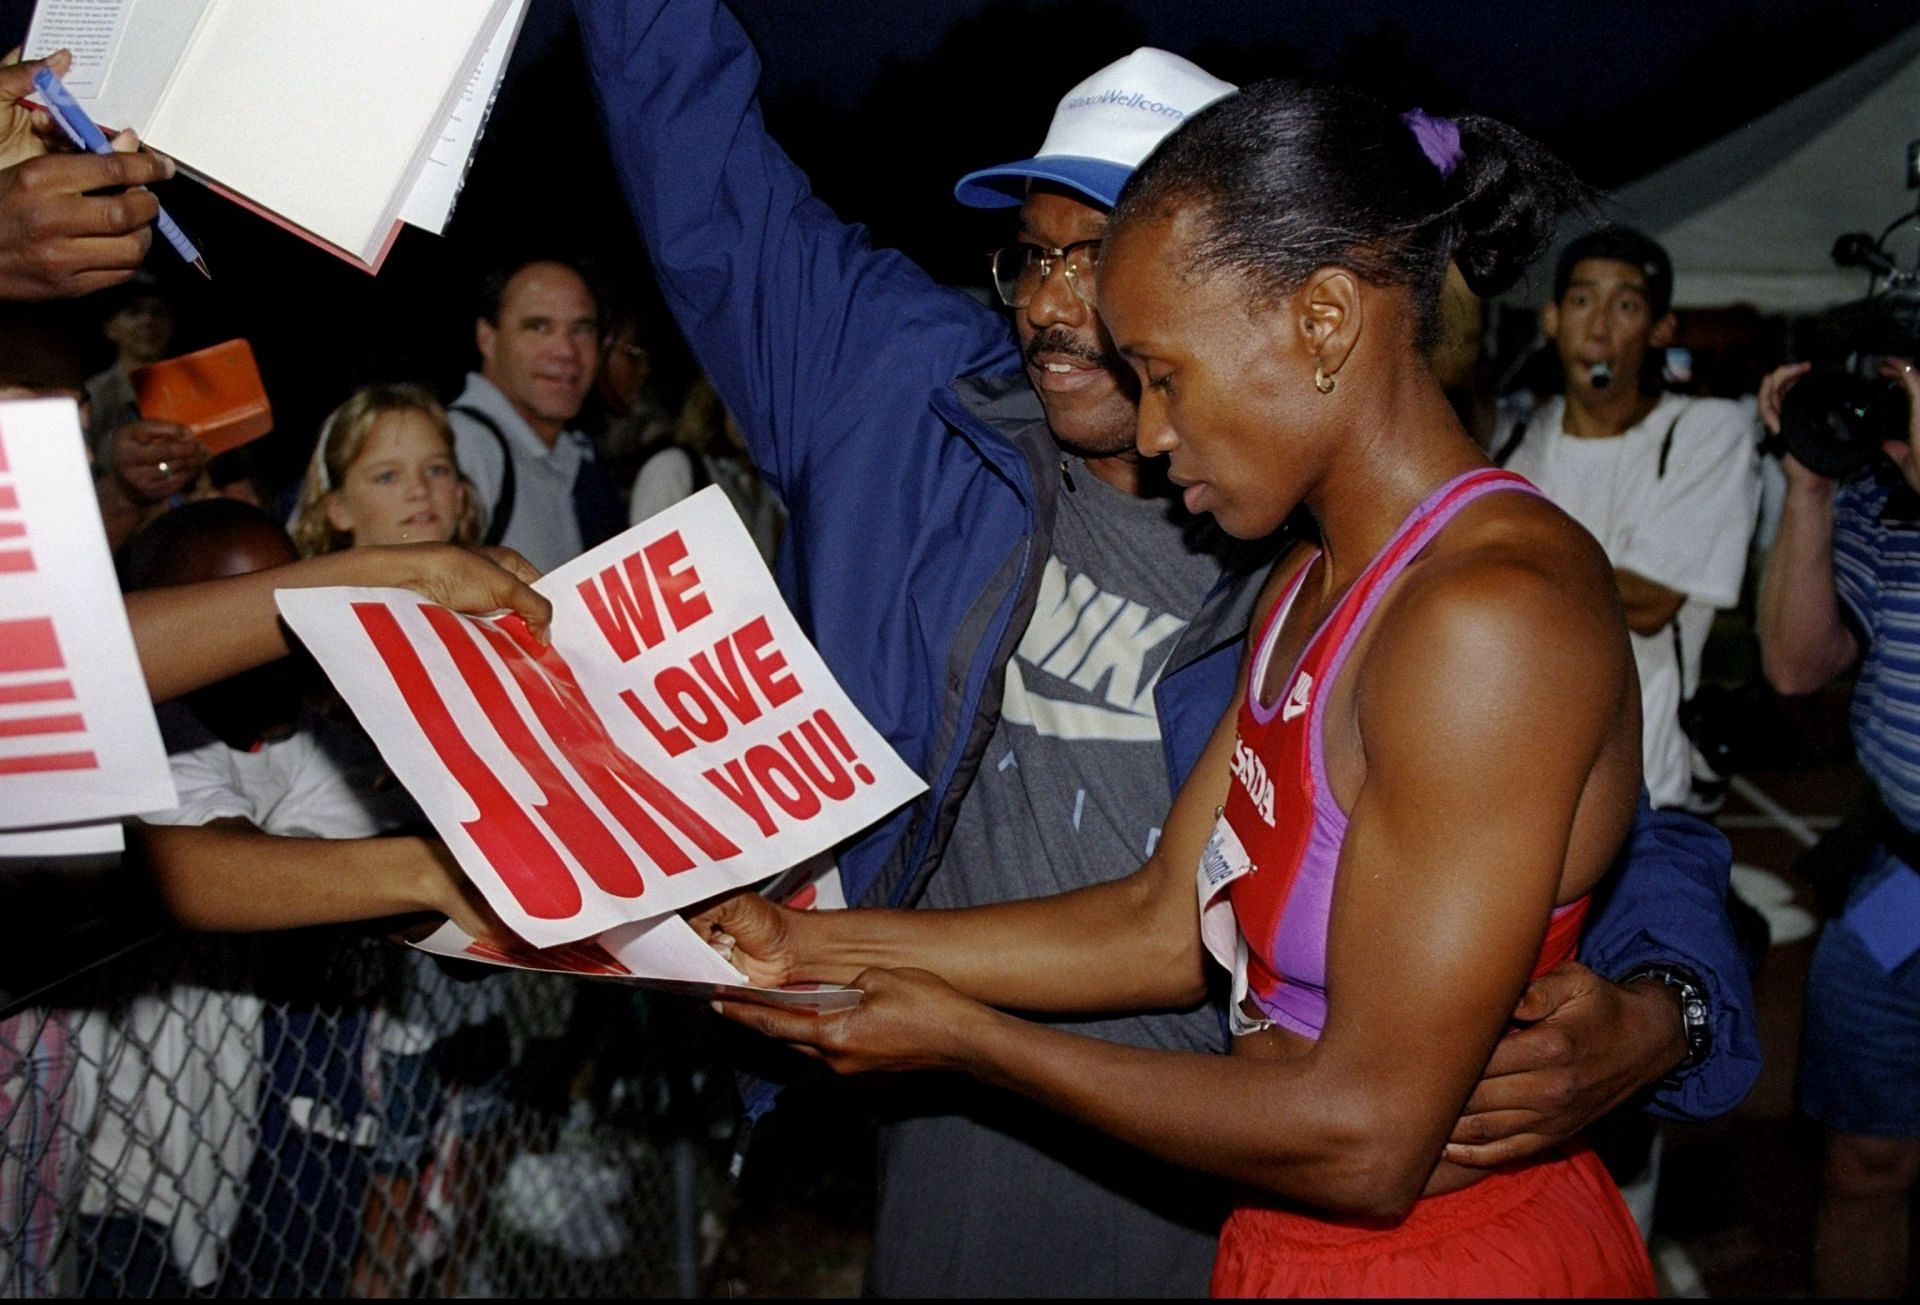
(59,235)
(80,129)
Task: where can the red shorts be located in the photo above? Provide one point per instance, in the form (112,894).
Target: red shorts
(1552,1229)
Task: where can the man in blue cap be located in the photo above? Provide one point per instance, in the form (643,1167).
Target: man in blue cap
(998,580)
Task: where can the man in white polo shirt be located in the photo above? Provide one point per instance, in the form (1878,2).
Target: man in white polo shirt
(539,485)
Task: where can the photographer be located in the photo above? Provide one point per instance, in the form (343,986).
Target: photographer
(1843,587)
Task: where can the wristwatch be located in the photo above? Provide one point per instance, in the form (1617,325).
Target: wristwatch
(1695,1020)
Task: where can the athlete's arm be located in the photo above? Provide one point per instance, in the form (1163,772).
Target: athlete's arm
(1484,684)
(1132,943)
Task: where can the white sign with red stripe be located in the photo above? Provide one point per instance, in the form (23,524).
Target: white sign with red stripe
(78,742)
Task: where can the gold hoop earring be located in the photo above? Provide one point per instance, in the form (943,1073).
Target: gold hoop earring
(1322,382)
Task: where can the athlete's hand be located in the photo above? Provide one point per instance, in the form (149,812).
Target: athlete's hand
(753,933)
(1586,1047)
(908,1019)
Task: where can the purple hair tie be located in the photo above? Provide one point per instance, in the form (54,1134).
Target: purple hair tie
(1439,139)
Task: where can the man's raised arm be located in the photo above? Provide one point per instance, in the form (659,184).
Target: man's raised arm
(805,329)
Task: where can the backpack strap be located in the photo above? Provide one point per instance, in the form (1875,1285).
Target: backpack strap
(502,514)
(1666,446)
(1503,454)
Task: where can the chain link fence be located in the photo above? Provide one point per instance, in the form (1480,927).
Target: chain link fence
(320,1114)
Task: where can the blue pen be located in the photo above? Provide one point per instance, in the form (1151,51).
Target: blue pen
(81,131)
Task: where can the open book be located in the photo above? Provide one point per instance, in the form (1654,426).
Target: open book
(338,119)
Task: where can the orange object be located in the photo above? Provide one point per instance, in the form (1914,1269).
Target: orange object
(214,392)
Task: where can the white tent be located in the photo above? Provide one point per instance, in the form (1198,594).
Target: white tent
(1752,217)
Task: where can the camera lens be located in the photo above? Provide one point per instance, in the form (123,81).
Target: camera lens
(1834,422)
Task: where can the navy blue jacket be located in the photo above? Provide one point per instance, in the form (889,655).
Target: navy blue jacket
(894,419)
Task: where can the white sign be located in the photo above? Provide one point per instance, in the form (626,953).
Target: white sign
(679,738)
(78,742)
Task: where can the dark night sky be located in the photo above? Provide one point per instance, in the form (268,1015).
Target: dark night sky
(938,86)
(1546,57)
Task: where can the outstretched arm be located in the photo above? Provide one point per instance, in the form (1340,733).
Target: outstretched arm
(806,330)
(231,877)
(1132,943)
(189,636)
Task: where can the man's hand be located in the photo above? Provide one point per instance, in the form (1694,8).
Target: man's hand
(1773,390)
(151,461)
(1588,1046)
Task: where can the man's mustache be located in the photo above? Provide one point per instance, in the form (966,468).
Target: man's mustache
(1060,341)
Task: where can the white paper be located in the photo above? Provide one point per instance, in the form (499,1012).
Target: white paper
(65,840)
(120,82)
(673,967)
(78,742)
(573,784)
(322,111)
(430,203)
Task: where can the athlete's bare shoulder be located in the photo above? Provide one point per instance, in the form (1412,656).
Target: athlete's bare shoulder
(1513,595)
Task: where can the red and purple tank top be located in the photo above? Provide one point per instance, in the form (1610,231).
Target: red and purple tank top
(1266,877)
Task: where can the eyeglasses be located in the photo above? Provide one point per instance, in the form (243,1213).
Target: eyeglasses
(1020,270)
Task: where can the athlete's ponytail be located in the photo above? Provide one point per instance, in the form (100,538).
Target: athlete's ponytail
(1292,176)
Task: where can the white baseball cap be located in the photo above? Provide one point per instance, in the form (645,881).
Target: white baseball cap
(1104,129)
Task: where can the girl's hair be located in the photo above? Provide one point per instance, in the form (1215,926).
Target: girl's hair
(342,438)
(1290,176)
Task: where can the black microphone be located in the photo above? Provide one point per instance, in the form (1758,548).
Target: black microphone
(1858,249)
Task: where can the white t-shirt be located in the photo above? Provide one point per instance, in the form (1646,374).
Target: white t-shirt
(1686,526)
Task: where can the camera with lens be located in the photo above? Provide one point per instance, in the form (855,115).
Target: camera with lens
(1836,417)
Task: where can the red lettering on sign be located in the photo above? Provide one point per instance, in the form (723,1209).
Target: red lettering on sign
(17,560)
(726,680)
(679,585)
(830,776)
(831,728)
(30,645)
(733,783)
(781,780)
(564,811)
(690,704)
(626,599)
(673,740)
(801,770)
(38,691)
(764,658)
(615,778)
(716,684)
(525,861)
(21,726)
(9,499)
(47,762)
(623,608)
